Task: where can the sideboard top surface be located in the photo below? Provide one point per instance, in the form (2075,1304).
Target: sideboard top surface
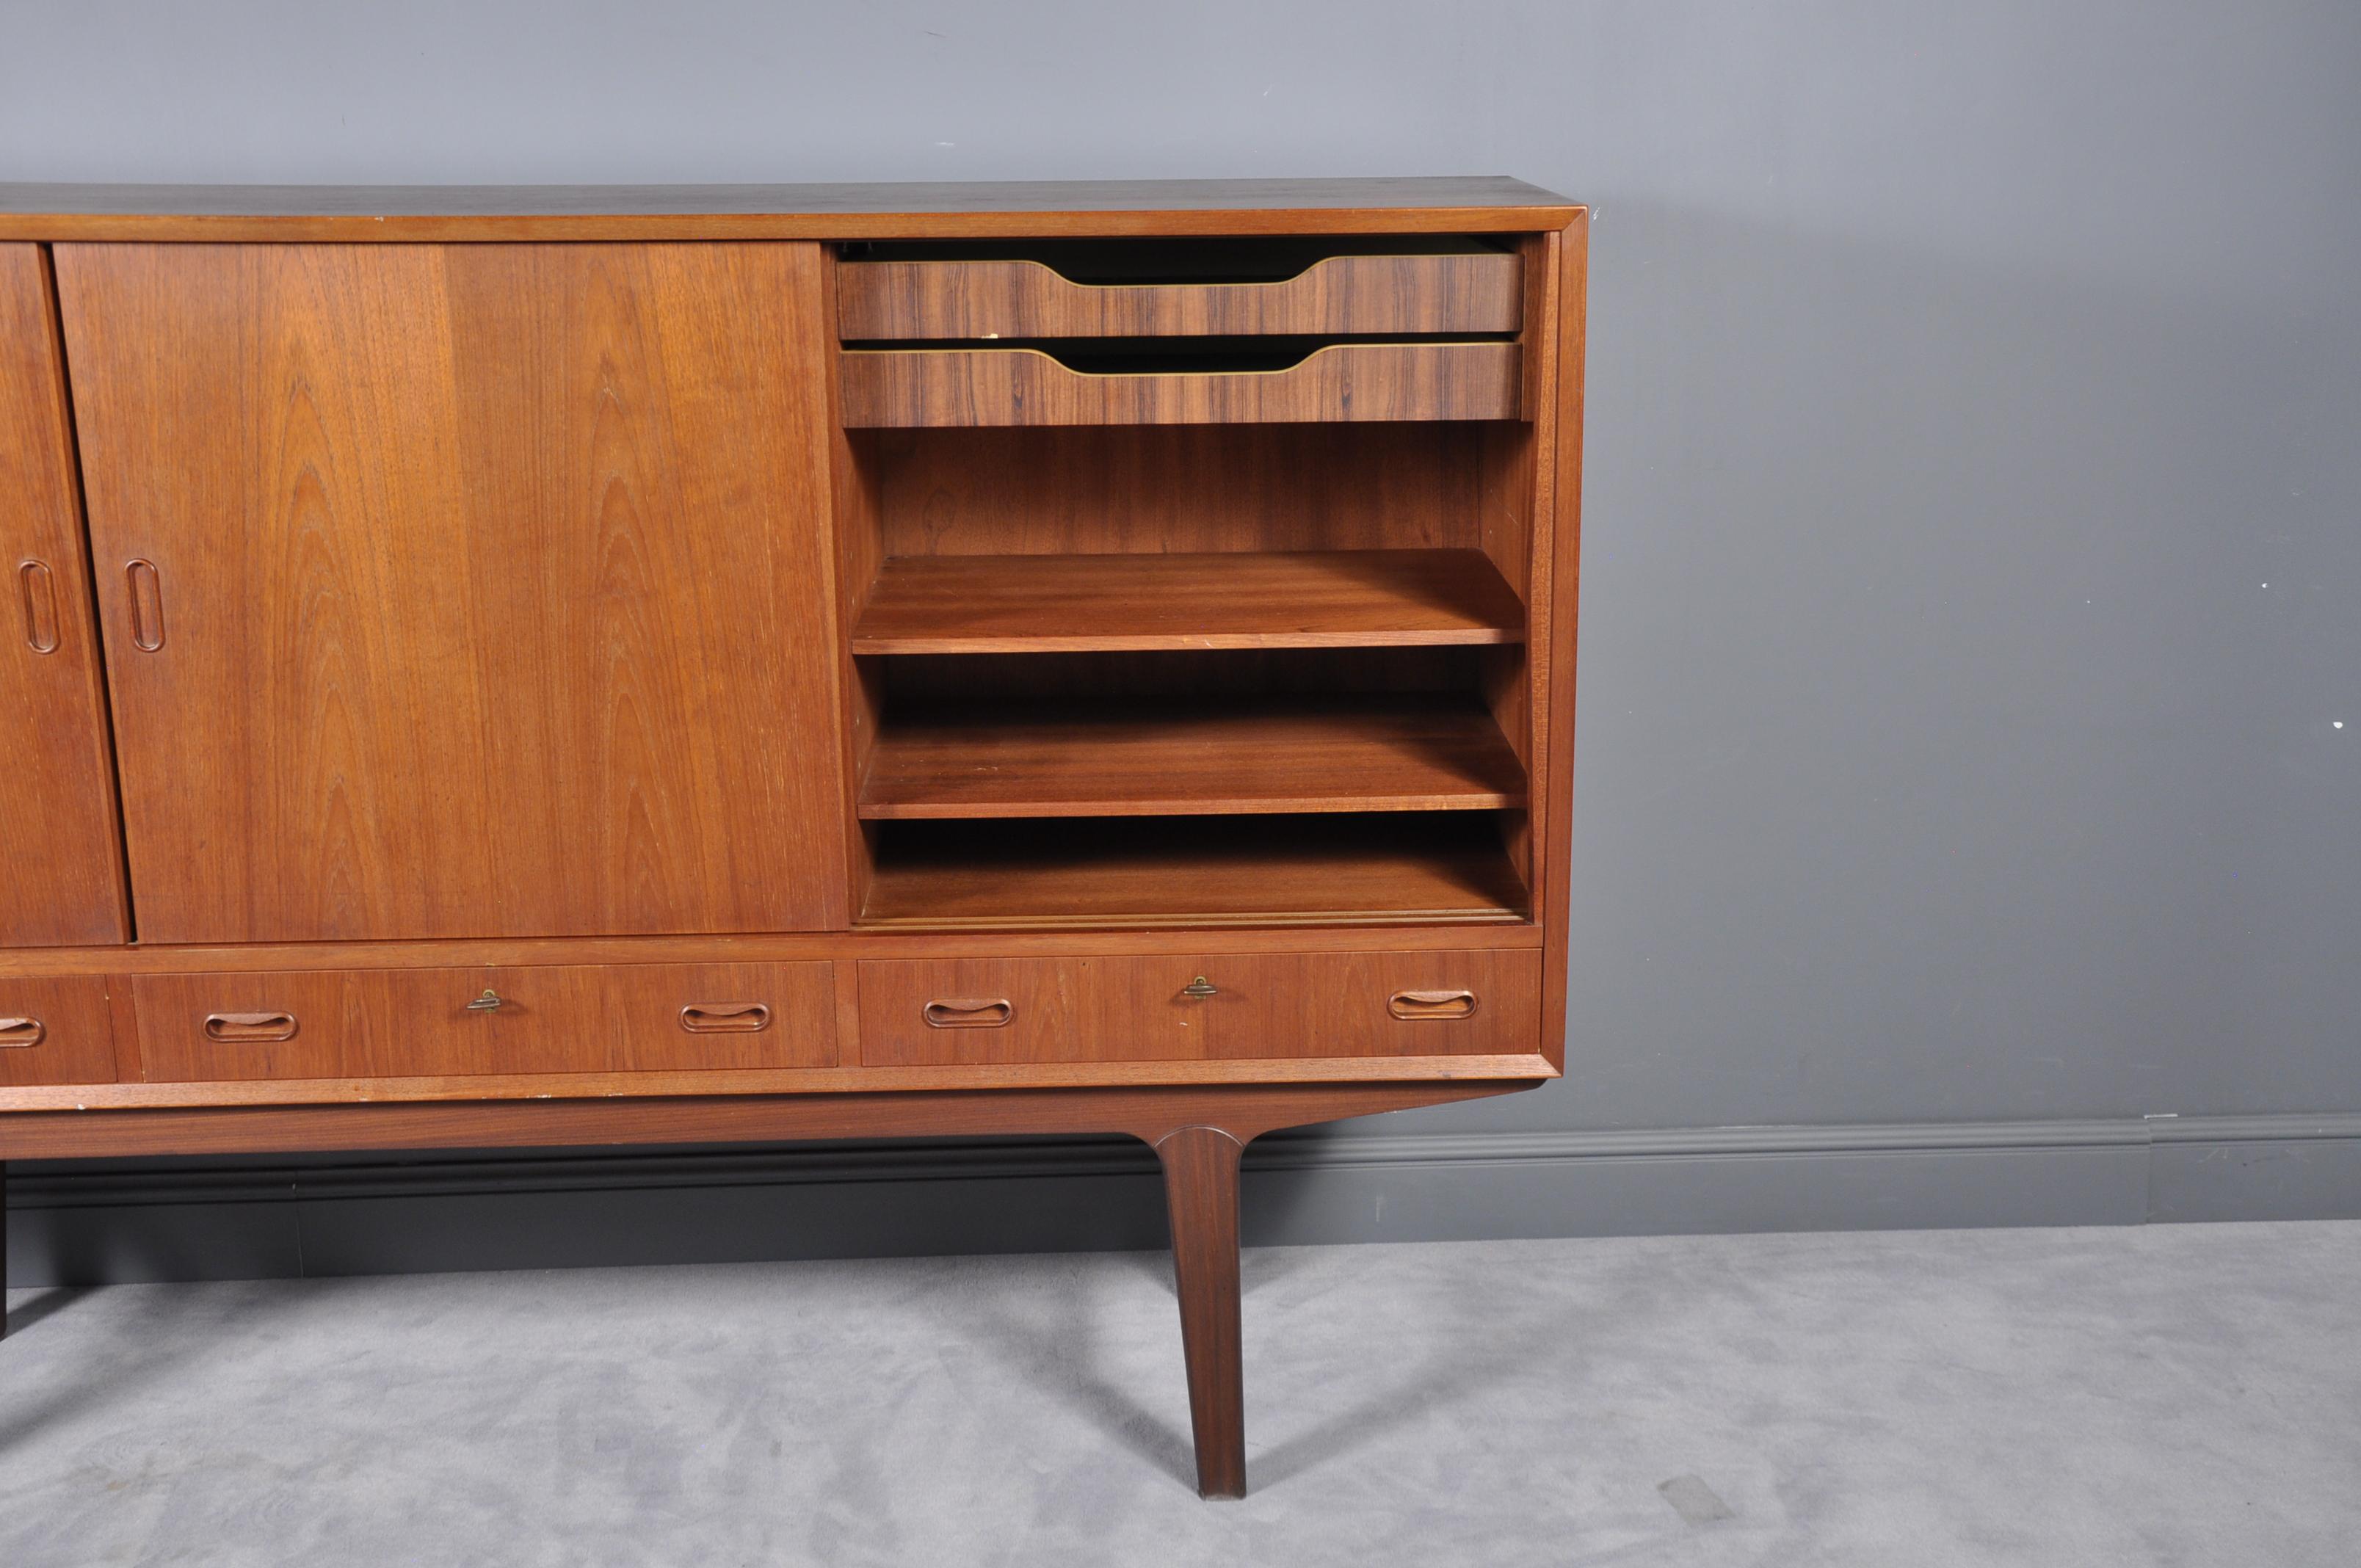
(892,210)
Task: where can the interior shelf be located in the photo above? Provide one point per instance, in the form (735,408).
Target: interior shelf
(1126,872)
(1330,598)
(1150,757)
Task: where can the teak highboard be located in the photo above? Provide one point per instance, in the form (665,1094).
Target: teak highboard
(561,666)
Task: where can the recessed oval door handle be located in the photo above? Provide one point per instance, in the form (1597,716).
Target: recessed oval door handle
(147,604)
(16,1034)
(967,1013)
(250,1029)
(1415,1006)
(725,1017)
(38,587)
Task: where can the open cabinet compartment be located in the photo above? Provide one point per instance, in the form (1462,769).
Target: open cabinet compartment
(1377,869)
(1172,625)
(1165,658)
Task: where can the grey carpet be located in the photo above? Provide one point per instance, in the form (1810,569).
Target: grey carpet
(2167,1395)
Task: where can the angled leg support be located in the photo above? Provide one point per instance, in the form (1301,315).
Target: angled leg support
(1201,1193)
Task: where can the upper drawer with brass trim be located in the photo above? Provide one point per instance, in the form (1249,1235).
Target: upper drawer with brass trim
(1206,288)
(973,1012)
(473,1022)
(55,1031)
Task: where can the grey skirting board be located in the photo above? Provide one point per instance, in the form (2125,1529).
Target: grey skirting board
(101,1222)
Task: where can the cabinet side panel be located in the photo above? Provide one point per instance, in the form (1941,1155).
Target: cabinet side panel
(1555,784)
(486,598)
(61,858)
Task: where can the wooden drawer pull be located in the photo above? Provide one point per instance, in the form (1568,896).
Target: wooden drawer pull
(967,1013)
(725,1017)
(1414,1005)
(40,590)
(16,1034)
(250,1029)
(147,604)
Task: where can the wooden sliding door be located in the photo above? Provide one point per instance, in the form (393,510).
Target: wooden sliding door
(463,590)
(61,862)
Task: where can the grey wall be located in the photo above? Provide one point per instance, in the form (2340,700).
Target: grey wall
(1971,681)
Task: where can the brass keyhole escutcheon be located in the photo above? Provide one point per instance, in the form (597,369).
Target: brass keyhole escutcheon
(1201,987)
(491,1001)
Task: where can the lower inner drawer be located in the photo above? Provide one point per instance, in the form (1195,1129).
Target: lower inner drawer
(471,1021)
(1425,379)
(1205,1007)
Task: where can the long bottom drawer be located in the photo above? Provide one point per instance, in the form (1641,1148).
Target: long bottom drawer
(1209,1007)
(471,1021)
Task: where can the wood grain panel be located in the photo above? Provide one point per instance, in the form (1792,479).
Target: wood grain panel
(1554,685)
(1119,872)
(905,387)
(1476,292)
(494,586)
(803,1081)
(68,1027)
(1517,475)
(892,210)
(1139,1009)
(61,856)
(1168,757)
(859,542)
(1146,1111)
(554,1019)
(778,947)
(982,604)
(1173,489)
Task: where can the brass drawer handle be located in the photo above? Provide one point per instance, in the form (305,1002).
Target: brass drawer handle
(725,1017)
(967,1013)
(1416,1005)
(491,1001)
(16,1034)
(250,1029)
(1201,987)
(41,592)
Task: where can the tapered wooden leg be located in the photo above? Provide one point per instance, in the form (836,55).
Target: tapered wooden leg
(1201,1193)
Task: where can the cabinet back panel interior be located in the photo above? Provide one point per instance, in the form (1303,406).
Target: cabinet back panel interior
(949,679)
(1178,488)
(1178,872)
